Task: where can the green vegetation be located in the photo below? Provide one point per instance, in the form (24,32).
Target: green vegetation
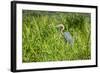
(42,41)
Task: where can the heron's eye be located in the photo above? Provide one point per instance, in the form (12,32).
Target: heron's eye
(60,28)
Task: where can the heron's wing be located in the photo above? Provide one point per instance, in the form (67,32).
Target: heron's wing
(68,37)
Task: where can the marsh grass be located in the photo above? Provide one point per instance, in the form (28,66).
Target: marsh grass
(42,42)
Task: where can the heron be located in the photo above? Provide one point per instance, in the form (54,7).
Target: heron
(67,35)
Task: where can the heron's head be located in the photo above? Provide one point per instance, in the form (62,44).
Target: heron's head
(61,27)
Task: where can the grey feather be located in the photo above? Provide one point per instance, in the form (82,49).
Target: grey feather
(68,38)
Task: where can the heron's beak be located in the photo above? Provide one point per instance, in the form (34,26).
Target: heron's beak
(57,26)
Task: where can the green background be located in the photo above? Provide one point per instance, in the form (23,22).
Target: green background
(42,42)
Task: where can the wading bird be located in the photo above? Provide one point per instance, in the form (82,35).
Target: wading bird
(66,35)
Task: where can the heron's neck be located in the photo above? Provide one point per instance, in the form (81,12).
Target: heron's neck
(62,31)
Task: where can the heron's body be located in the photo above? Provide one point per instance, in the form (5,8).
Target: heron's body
(68,37)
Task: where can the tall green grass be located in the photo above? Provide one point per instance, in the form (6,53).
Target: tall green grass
(42,41)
